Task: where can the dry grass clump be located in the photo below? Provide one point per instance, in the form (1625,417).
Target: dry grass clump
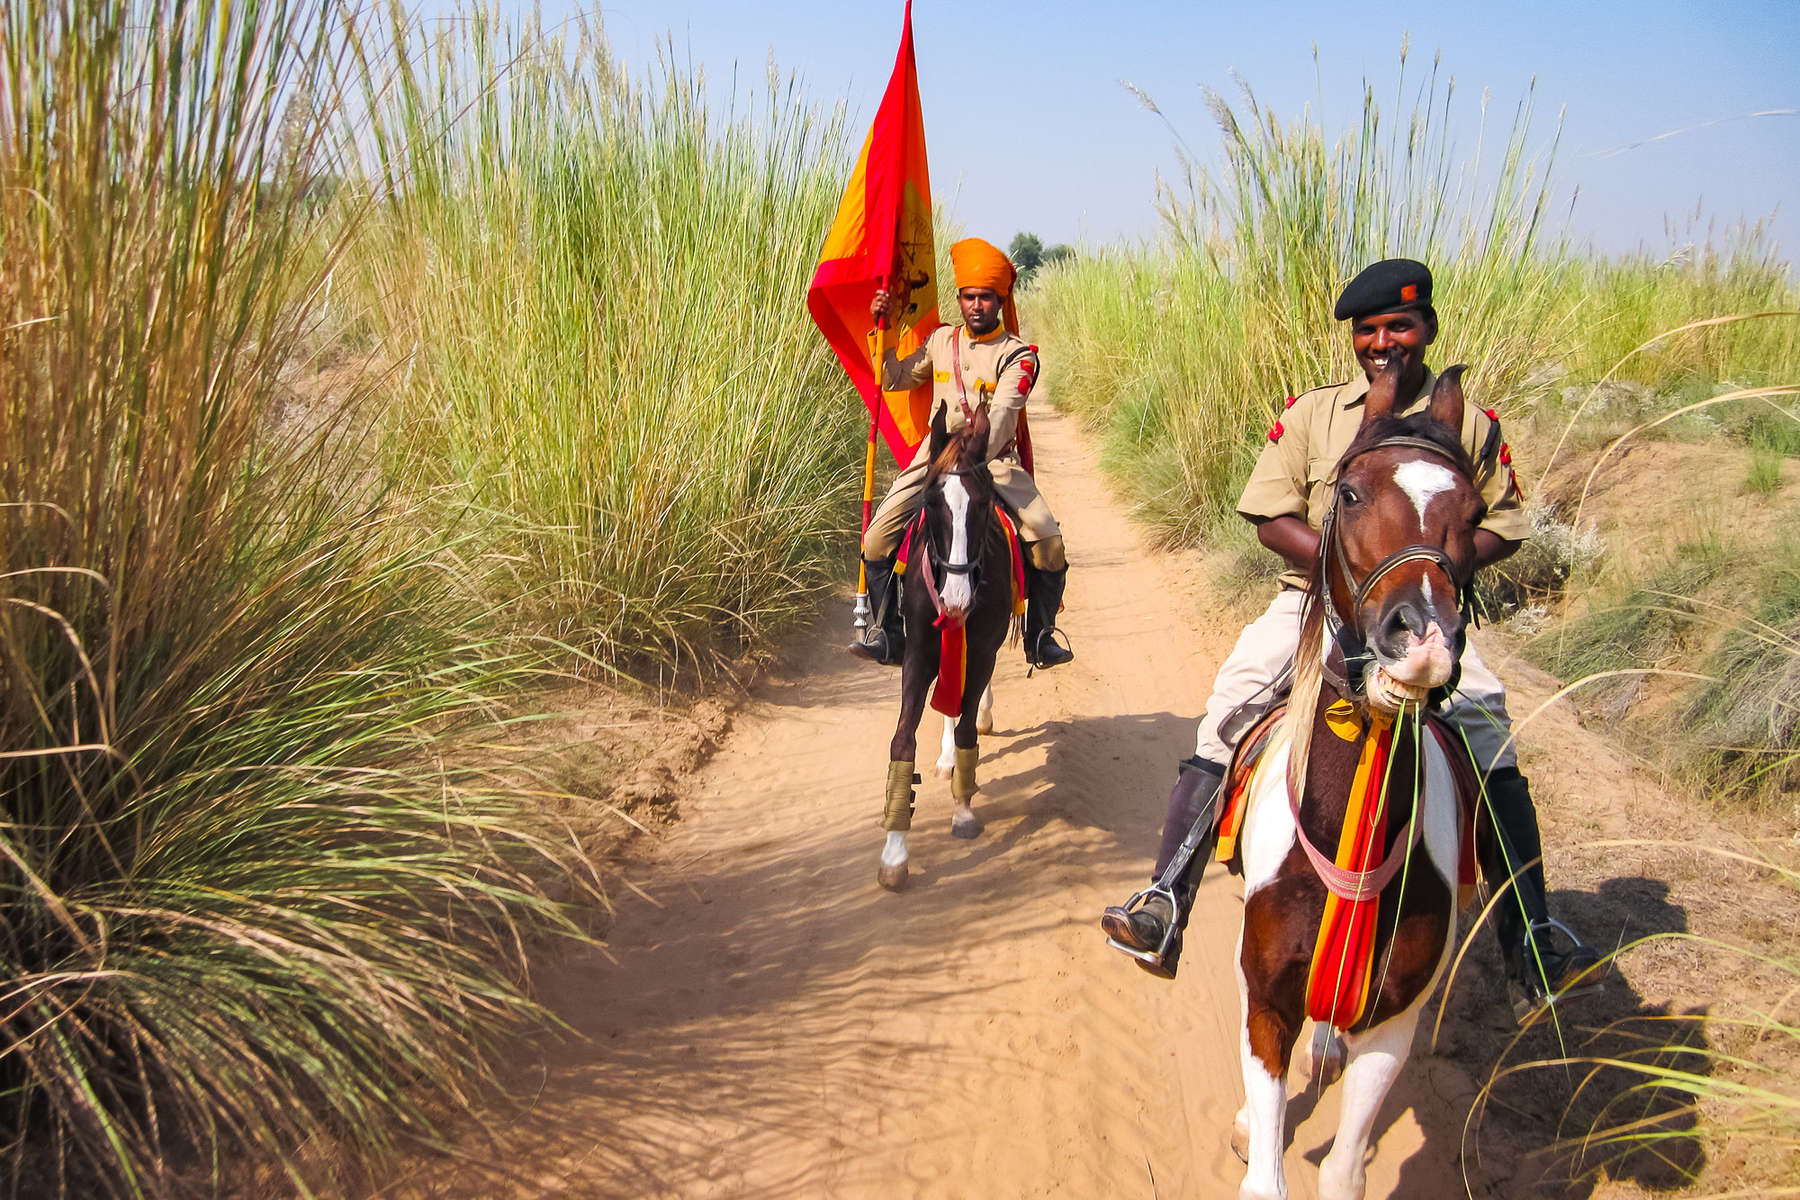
(247,899)
(1655,1096)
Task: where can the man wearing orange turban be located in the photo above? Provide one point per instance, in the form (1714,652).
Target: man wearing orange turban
(981,361)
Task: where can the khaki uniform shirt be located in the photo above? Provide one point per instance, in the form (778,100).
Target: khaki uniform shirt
(1296,474)
(994,369)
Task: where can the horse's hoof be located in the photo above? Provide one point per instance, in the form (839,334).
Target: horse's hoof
(965,825)
(892,878)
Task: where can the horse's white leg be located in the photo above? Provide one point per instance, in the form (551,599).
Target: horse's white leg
(946,761)
(984,712)
(1265,1109)
(893,861)
(1376,1056)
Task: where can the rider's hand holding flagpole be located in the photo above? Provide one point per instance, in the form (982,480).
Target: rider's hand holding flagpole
(881,241)
(861,611)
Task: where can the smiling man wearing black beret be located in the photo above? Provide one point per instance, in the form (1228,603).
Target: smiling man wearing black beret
(1388,306)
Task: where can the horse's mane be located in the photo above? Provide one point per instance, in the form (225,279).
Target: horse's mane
(947,457)
(1309,678)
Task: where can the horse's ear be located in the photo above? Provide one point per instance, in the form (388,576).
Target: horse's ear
(1384,389)
(939,435)
(1447,399)
(976,438)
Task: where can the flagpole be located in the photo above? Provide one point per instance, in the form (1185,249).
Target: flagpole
(861,611)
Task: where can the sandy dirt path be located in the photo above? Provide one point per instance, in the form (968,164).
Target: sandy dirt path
(767,1022)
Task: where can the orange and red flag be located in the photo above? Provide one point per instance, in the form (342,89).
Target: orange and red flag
(882,239)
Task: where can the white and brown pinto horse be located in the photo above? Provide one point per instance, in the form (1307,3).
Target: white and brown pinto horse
(1383,629)
(957,599)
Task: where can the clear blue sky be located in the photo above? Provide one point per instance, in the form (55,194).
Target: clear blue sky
(1030,128)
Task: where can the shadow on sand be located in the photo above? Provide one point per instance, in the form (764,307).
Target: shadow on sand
(810,995)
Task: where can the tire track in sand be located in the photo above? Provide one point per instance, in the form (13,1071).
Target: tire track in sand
(775,1025)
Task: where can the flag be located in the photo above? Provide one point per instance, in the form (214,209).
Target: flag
(882,239)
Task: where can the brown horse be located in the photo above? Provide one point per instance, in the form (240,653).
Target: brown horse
(956,539)
(1382,632)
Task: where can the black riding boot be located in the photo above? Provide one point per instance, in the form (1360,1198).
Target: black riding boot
(1043,600)
(1537,964)
(884,641)
(1153,929)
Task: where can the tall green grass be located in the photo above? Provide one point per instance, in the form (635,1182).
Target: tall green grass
(1184,350)
(1181,351)
(252,894)
(598,286)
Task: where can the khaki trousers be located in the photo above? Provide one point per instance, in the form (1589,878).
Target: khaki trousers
(1477,709)
(1037,527)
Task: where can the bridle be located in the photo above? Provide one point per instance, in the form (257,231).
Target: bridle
(934,558)
(1345,631)
(1346,883)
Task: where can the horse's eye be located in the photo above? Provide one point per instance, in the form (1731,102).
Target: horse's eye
(1348,495)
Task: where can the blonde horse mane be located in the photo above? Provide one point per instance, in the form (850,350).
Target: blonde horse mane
(1309,679)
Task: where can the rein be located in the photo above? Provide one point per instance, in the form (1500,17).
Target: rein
(1346,883)
(928,569)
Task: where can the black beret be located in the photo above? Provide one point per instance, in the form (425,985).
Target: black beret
(1388,286)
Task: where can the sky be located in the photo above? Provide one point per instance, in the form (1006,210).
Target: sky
(1030,126)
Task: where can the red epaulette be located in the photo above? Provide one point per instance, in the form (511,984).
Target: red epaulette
(1027,372)
(1276,430)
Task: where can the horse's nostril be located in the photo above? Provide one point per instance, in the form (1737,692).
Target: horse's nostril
(1404,619)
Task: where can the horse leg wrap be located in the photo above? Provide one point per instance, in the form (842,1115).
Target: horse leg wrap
(896,816)
(962,777)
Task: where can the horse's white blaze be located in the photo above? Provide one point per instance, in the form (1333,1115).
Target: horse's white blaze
(1422,480)
(893,854)
(1268,831)
(958,594)
(946,761)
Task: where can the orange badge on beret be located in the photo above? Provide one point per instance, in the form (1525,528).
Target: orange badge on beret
(1409,293)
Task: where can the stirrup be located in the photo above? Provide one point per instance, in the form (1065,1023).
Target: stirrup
(1531,1002)
(890,656)
(1152,959)
(1037,659)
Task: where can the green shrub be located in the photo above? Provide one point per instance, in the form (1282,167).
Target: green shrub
(1764,475)
(1542,567)
(1744,726)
